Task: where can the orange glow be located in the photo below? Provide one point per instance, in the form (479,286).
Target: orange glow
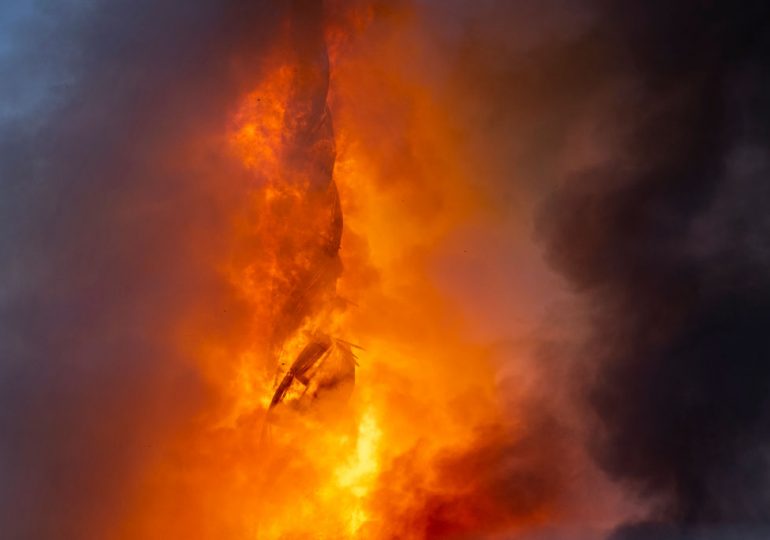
(374,464)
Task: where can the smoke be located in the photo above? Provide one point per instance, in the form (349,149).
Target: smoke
(666,241)
(108,212)
(634,136)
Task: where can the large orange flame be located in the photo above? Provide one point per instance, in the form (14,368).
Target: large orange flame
(404,455)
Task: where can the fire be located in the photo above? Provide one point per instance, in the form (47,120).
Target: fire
(356,476)
(259,123)
(323,458)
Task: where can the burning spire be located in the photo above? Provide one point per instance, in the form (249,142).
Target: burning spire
(287,138)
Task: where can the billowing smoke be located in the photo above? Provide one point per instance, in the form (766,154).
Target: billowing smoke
(666,239)
(109,209)
(631,137)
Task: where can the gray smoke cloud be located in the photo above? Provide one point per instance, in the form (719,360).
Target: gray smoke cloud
(636,131)
(99,222)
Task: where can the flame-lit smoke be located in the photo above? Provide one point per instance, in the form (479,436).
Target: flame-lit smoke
(268,270)
(207,190)
(173,232)
(421,448)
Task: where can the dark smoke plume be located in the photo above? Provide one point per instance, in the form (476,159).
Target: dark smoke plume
(109,227)
(668,241)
